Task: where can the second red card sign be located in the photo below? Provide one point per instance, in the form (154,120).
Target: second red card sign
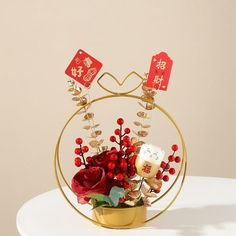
(159,73)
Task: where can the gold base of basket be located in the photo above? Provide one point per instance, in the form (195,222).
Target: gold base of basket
(120,218)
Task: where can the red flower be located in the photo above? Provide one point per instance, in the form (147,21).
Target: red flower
(101,159)
(89,180)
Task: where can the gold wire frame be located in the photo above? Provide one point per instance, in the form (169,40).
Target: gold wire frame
(57,166)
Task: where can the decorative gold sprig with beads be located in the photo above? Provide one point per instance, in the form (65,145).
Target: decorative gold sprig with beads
(81,100)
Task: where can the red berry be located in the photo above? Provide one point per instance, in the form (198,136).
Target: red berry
(126,138)
(120,121)
(126,144)
(132,172)
(171,158)
(79,140)
(122,200)
(117,131)
(111,165)
(174,147)
(89,159)
(159,175)
(78,162)
(121,152)
(112,138)
(166,178)
(172,171)
(110,175)
(125,184)
(157,191)
(85,149)
(167,166)
(127,130)
(119,176)
(124,174)
(123,164)
(113,157)
(114,149)
(78,151)
(177,159)
(132,148)
(163,164)
(132,159)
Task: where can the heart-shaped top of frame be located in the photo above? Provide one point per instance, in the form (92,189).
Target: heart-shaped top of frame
(137,83)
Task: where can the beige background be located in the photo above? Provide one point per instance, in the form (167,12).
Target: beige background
(39,38)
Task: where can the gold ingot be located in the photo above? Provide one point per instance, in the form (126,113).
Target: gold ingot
(120,218)
(145,168)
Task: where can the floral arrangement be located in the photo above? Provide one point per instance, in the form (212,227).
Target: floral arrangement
(125,175)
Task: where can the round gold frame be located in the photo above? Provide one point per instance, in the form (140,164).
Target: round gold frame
(183,167)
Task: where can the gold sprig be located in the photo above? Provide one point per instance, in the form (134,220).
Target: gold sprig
(148,100)
(76,91)
(81,100)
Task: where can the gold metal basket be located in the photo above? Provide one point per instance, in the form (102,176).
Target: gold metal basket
(122,217)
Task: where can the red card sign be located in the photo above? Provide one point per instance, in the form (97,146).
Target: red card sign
(83,68)
(159,72)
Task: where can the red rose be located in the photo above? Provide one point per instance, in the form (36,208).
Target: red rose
(89,180)
(101,159)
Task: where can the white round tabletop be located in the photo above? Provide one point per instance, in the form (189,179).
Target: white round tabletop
(206,206)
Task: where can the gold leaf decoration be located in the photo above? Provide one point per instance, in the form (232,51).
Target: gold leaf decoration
(76,92)
(100,141)
(104,148)
(146,202)
(82,101)
(130,203)
(142,133)
(88,116)
(87,127)
(95,126)
(142,114)
(146,191)
(146,126)
(139,143)
(134,140)
(94,143)
(136,194)
(133,184)
(141,105)
(137,123)
(150,194)
(76,99)
(81,112)
(154,183)
(96,133)
(149,106)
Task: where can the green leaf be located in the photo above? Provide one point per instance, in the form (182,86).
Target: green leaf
(99,204)
(99,197)
(96,196)
(115,194)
